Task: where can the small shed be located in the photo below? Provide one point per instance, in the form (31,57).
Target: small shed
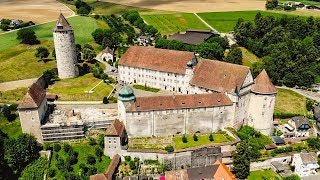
(270,146)
(278,140)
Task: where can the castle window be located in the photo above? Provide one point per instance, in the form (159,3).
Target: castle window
(114,140)
(262,113)
(28,111)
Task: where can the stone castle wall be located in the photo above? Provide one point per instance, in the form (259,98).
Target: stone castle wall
(66,54)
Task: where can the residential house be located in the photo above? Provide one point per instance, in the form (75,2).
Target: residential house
(107,54)
(305,164)
(301,126)
(217,171)
(15,22)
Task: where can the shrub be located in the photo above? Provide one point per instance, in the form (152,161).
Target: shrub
(169,148)
(184,139)
(27,36)
(211,137)
(47,146)
(51,172)
(132,165)
(92,141)
(42,52)
(98,152)
(91,160)
(56,147)
(195,137)
(127,158)
(67,148)
(101,140)
(83,11)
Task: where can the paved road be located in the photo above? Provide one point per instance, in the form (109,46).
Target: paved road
(7,86)
(311,95)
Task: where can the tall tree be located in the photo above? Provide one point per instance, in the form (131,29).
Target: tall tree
(210,51)
(234,56)
(42,52)
(241,160)
(27,36)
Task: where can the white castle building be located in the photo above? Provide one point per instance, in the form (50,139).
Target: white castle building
(211,95)
(65,49)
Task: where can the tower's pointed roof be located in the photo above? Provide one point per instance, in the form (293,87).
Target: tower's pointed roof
(62,24)
(263,84)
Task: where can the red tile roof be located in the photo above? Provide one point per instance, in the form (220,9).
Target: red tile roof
(223,172)
(219,76)
(111,170)
(33,98)
(62,22)
(263,84)
(115,129)
(157,59)
(179,102)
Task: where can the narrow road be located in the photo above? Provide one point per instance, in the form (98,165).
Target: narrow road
(11,85)
(311,95)
(204,22)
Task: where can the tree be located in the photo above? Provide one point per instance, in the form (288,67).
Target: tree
(88,54)
(51,172)
(56,147)
(184,139)
(34,170)
(169,148)
(211,137)
(42,52)
(67,147)
(132,165)
(21,151)
(234,56)
(91,160)
(195,137)
(6,111)
(241,161)
(99,153)
(83,11)
(210,51)
(27,36)
(271,4)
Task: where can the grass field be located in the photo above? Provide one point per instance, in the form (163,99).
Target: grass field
(17,61)
(145,88)
(202,140)
(305,2)
(12,96)
(84,151)
(12,129)
(74,89)
(171,23)
(248,58)
(263,174)
(288,101)
(225,21)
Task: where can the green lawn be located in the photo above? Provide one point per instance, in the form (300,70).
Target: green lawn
(202,140)
(145,88)
(12,129)
(177,22)
(12,96)
(17,61)
(74,89)
(305,2)
(225,21)
(84,151)
(290,102)
(263,174)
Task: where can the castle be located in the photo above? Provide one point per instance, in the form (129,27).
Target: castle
(65,49)
(210,95)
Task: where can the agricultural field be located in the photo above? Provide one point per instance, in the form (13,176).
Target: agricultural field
(17,61)
(290,102)
(225,21)
(74,89)
(171,23)
(195,5)
(38,11)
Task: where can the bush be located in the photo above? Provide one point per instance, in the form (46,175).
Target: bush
(211,137)
(127,158)
(56,147)
(27,36)
(169,148)
(51,172)
(83,11)
(195,137)
(42,52)
(98,152)
(184,139)
(91,160)
(132,165)
(67,148)
(92,141)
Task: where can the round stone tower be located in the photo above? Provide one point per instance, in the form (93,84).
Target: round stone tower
(65,49)
(125,98)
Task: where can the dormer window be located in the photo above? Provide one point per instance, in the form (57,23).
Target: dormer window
(60,26)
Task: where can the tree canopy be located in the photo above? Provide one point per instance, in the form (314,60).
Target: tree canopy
(42,52)
(27,36)
(241,162)
(35,170)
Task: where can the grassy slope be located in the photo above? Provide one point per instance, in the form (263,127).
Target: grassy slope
(202,140)
(74,89)
(248,57)
(12,129)
(263,174)
(225,21)
(288,101)
(12,96)
(17,61)
(170,23)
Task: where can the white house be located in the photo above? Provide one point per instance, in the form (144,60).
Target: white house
(305,164)
(300,126)
(107,54)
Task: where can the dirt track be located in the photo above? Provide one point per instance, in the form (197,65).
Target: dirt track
(38,11)
(195,5)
